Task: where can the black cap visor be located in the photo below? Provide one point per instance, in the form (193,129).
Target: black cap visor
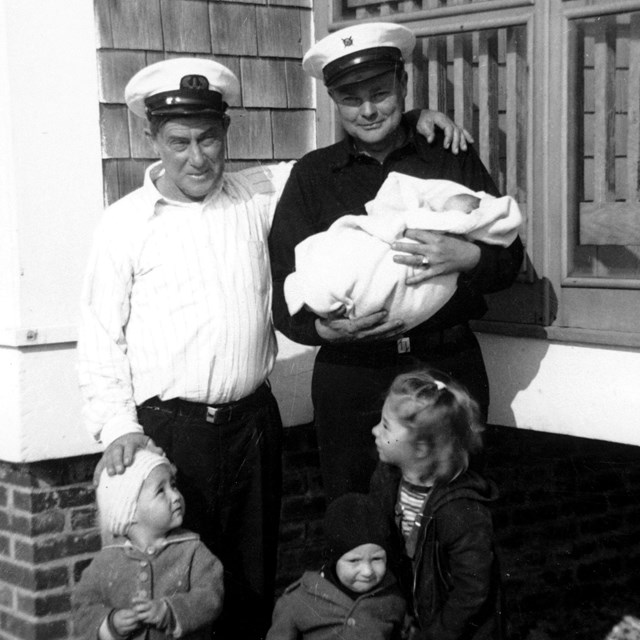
(185,103)
(361,65)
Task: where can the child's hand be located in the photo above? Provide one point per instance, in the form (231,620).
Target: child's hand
(409,630)
(125,621)
(153,612)
(410,633)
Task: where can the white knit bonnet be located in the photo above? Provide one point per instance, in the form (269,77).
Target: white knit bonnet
(117,495)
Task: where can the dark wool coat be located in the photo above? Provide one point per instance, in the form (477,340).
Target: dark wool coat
(312,608)
(452,582)
(183,572)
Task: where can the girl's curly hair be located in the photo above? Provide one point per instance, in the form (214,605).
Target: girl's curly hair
(440,413)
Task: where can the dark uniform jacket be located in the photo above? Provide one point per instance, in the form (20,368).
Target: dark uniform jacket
(452,580)
(335,181)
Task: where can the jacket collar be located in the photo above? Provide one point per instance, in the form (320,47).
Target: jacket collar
(312,579)
(174,537)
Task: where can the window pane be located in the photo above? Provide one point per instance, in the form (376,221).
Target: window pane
(604,108)
(350,9)
(480,79)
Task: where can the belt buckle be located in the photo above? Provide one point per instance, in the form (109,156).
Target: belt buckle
(218,415)
(403,345)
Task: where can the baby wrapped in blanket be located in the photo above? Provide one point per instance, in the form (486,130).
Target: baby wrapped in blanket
(351,264)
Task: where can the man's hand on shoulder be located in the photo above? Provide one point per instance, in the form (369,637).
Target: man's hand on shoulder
(120,453)
(455,137)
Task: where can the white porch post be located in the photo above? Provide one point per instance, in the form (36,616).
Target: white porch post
(50,200)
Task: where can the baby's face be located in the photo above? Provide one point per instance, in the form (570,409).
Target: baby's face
(362,568)
(464,202)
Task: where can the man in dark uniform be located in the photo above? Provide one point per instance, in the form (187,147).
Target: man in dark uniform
(363,69)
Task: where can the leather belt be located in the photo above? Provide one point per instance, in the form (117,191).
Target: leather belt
(456,336)
(211,413)
(410,343)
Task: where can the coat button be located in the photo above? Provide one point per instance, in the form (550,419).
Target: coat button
(144,575)
(351,622)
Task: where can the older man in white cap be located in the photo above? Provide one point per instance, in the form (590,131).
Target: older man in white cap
(362,67)
(176,341)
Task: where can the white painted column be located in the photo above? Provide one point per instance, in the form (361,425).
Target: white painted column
(50,201)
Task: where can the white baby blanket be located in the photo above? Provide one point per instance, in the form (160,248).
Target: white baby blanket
(351,264)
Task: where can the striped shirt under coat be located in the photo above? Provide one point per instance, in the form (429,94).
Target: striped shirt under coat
(177,299)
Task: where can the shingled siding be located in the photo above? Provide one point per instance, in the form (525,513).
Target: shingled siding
(261,41)
(567,524)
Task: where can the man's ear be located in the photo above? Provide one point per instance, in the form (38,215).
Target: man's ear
(404,80)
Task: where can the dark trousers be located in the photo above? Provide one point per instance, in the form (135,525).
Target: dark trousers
(231,476)
(349,386)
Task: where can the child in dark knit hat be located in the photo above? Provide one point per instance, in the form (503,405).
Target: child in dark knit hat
(154,580)
(353,597)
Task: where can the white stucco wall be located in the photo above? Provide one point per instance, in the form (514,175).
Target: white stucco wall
(579,390)
(291,381)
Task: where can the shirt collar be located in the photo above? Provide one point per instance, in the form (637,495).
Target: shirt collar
(150,191)
(347,153)
(155,198)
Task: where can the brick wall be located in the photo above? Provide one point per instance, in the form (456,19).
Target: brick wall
(261,41)
(48,535)
(567,524)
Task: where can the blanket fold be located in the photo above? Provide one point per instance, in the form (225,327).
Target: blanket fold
(351,264)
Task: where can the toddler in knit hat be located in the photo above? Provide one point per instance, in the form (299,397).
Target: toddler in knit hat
(353,596)
(155,579)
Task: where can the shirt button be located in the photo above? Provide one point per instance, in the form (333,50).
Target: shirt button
(351,622)
(144,575)
(150,551)
(143,563)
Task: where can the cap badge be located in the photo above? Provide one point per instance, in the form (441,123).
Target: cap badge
(347,42)
(194,83)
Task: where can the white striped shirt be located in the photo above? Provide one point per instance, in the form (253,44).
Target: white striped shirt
(177,299)
(411,501)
